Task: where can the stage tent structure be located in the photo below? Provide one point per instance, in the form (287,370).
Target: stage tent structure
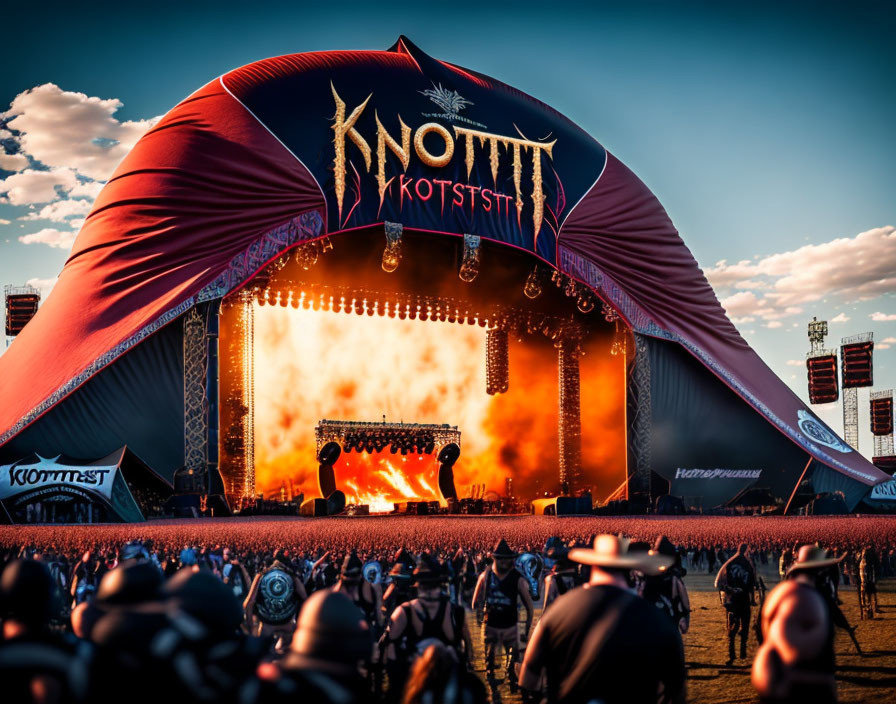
(289,149)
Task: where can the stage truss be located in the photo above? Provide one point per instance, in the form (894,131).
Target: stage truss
(566,332)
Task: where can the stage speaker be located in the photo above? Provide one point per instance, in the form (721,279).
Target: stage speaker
(829,506)
(447,457)
(335,503)
(414,508)
(314,508)
(668,505)
(329,453)
(326,479)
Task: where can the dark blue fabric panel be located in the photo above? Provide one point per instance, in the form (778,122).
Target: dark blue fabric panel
(136,401)
(699,423)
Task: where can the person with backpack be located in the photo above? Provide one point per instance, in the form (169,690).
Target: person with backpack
(563,577)
(666,590)
(275,597)
(428,619)
(736,583)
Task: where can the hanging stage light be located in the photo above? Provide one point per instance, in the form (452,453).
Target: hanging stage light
(609,313)
(533,287)
(585,302)
(308,253)
(497,369)
(392,252)
(469,267)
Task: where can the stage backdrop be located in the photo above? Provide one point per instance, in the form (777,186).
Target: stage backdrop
(291,148)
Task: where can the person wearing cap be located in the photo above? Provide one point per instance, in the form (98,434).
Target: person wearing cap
(796,662)
(563,577)
(364,595)
(603,642)
(498,592)
(736,584)
(327,659)
(427,619)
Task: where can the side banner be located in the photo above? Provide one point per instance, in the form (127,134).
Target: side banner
(35,474)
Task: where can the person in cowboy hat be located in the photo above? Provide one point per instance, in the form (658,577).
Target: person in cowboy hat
(604,642)
(666,590)
(497,595)
(429,618)
(366,596)
(796,660)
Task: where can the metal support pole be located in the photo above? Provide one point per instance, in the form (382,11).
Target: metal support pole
(796,488)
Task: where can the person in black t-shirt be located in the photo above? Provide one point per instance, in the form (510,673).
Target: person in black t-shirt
(736,583)
(602,642)
(498,592)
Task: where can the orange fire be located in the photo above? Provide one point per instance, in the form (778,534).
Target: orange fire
(311,365)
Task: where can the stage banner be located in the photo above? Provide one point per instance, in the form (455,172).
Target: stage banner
(35,475)
(884,492)
(709,445)
(426,144)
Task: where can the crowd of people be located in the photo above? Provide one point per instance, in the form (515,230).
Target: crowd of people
(312,617)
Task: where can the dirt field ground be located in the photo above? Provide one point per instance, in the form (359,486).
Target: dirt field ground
(870,678)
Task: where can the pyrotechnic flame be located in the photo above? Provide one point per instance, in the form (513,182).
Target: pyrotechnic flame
(313,365)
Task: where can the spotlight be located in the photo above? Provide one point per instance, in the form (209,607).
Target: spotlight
(533,288)
(469,267)
(306,301)
(342,304)
(392,252)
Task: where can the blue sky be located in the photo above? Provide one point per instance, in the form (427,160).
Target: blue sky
(766,130)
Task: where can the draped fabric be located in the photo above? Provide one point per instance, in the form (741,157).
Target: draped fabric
(250,165)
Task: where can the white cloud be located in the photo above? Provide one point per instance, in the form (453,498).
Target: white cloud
(853,269)
(774,324)
(31,186)
(740,305)
(796,362)
(889,340)
(4,222)
(61,239)
(66,129)
(879,317)
(90,189)
(13,162)
(44,285)
(60,210)
(840,318)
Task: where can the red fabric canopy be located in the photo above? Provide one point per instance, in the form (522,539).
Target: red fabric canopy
(210,195)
